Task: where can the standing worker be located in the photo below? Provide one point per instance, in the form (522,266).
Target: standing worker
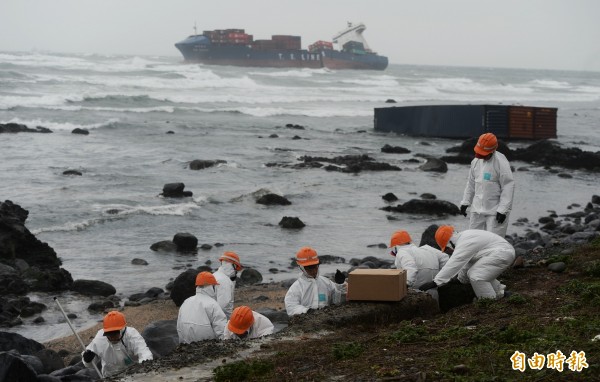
(479,258)
(312,291)
(117,345)
(226,277)
(490,188)
(422,264)
(200,316)
(247,324)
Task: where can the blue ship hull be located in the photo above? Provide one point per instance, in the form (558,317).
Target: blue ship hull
(199,48)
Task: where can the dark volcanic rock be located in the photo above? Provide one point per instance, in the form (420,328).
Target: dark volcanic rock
(93,288)
(80,131)
(175,190)
(19,343)
(17,244)
(428,236)
(199,164)
(72,172)
(249,276)
(389,197)
(18,128)
(551,153)
(290,222)
(184,286)
(466,153)
(185,242)
(425,206)
(14,368)
(164,246)
(394,149)
(161,336)
(347,163)
(273,199)
(434,165)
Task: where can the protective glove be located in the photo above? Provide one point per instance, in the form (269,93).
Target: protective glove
(339,277)
(463,210)
(233,278)
(88,356)
(427,286)
(500,217)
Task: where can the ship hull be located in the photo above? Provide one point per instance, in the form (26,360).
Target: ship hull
(247,56)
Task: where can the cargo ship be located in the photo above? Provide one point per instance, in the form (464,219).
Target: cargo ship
(236,47)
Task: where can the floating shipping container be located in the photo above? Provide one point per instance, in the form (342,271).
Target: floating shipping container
(466,121)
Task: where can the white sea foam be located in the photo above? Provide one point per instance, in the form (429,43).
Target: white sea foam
(178,209)
(11,101)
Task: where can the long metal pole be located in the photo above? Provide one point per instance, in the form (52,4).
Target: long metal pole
(76,335)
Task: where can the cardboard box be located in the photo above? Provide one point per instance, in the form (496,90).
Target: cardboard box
(377,285)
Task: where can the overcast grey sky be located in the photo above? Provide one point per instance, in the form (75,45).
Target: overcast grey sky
(547,34)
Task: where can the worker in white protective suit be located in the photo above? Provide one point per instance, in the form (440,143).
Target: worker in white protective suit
(479,258)
(226,277)
(200,316)
(247,324)
(117,345)
(312,291)
(490,188)
(422,263)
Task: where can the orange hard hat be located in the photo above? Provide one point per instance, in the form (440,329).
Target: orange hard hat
(233,258)
(206,278)
(241,320)
(486,144)
(443,235)
(114,321)
(400,238)
(307,256)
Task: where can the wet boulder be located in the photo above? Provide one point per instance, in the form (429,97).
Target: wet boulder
(290,222)
(93,288)
(394,149)
(184,286)
(161,337)
(550,153)
(14,368)
(50,360)
(249,276)
(19,128)
(164,246)
(434,165)
(428,236)
(185,242)
(80,131)
(199,164)
(19,343)
(425,206)
(36,263)
(389,197)
(273,199)
(175,190)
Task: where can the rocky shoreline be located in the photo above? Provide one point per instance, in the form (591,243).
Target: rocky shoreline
(154,312)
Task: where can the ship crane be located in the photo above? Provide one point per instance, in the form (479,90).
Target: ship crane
(352,33)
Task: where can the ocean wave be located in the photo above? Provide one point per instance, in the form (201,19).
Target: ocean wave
(300,73)
(68,126)
(12,101)
(281,111)
(552,84)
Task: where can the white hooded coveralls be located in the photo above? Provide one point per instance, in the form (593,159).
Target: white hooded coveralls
(200,317)
(119,356)
(479,258)
(308,293)
(421,263)
(490,189)
(262,326)
(226,287)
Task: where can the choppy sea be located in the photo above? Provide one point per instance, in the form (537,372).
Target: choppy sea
(228,113)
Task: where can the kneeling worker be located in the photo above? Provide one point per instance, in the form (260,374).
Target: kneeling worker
(479,258)
(312,291)
(246,323)
(200,316)
(422,264)
(117,345)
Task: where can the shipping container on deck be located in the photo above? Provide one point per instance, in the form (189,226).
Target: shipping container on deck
(465,121)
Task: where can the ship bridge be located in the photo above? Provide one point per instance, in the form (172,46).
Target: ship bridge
(352,33)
